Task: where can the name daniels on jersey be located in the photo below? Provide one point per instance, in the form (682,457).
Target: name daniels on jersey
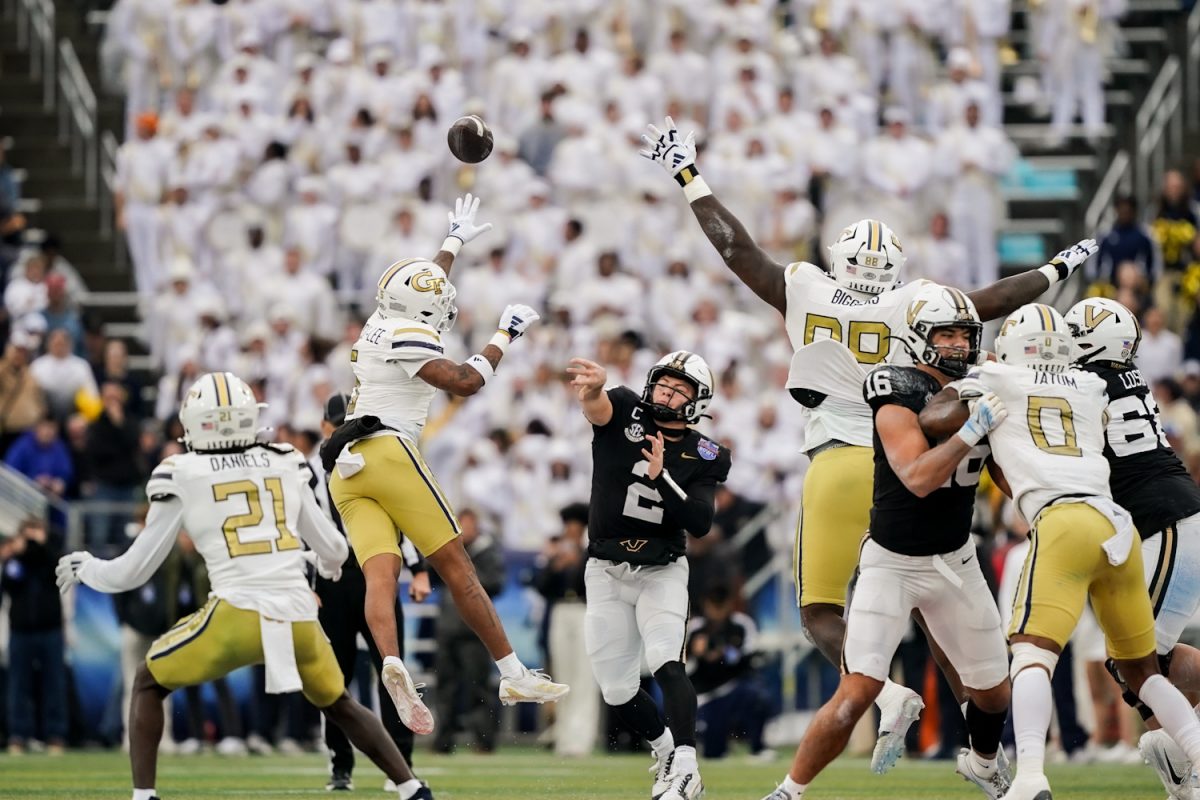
(1044,378)
(843,298)
(235,460)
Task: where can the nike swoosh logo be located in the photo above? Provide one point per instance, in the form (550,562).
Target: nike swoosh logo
(1174,778)
(690,456)
(968,558)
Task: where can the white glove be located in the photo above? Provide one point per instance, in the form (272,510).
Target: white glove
(987,412)
(462,219)
(329,573)
(66,574)
(516,319)
(969,388)
(668,149)
(1069,260)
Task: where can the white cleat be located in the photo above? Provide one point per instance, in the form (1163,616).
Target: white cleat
(1169,762)
(662,775)
(780,794)
(894,723)
(995,785)
(413,713)
(534,686)
(684,786)
(1029,787)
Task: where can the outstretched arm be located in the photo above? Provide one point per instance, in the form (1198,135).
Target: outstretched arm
(741,254)
(1005,296)
(467,378)
(462,230)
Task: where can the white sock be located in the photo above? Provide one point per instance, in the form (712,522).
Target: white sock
(1032,703)
(891,693)
(143,794)
(663,745)
(1174,713)
(685,759)
(984,767)
(510,667)
(409,788)
(796,790)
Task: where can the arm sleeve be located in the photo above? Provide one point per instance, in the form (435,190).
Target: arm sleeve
(318,532)
(137,564)
(623,400)
(695,514)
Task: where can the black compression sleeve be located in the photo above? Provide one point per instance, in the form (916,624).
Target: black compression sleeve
(695,515)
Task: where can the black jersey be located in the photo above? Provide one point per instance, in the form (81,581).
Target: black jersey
(1146,476)
(632,518)
(940,522)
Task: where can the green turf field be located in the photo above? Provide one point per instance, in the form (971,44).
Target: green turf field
(522,773)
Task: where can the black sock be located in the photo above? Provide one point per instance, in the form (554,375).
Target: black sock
(679,702)
(642,716)
(984,728)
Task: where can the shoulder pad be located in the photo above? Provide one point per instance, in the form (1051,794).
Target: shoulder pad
(164,480)
(891,384)
(411,341)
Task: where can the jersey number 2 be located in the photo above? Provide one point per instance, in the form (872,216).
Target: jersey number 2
(639,491)
(253,517)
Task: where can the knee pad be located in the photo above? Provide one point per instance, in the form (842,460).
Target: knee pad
(663,653)
(1025,655)
(619,695)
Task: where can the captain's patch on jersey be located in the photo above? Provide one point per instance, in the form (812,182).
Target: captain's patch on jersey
(708,450)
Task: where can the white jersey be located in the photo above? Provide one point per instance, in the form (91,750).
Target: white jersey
(1051,445)
(385,360)
(818,308)
(243,511)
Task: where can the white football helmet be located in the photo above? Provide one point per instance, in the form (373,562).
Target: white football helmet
(691,368)
(867,258)
(219,412)
(936,307)
(418,289)
(1104,330)
(1036,336)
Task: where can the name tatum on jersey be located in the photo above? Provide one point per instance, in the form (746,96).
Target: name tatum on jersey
(940,522)
(628,519)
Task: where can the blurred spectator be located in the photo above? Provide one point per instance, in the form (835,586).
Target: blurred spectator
(113,446)
(1071,41)
(37,673)
(26,293)
(560,582)
(66,378)
(115,369)
(465,697)
(59,312)
(732,701)
(1180,422)
(57,264)
(139,187)
(938,257)
(22,402)
(10,190)
(1127,240)
(537,142)
(42,456)
(1174,227)
(1161,352)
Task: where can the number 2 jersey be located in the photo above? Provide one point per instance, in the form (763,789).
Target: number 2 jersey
(901,521)
(818,308)
(632,518)
(1147,479)
(1051,444)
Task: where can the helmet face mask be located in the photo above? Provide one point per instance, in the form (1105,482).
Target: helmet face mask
(1036,336)
(687,367)
(1104,330)
(418,289)
(867,258)
(937,308)
(219,412)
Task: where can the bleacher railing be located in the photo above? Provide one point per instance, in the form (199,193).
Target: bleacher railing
(1117,180)
(1158,129)
(1192,53)
(35,35)
(77,117)
(20,499)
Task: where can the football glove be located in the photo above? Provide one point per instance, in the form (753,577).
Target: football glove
(1069,260)
(66,574)
(986,413)
(668,149)
(462,219)
(516,319)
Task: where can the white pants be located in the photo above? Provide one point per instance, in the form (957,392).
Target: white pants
(577,716)
(1172,563)
(952,596)
(1078,83)
(141,234)
(633,611)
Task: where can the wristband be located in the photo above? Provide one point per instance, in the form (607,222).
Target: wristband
(695,187)
(970,434)
(482,366)
(500,340)
(452,244)
(1055,272)
(666,476)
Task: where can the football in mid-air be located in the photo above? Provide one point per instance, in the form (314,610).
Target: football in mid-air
(470,139)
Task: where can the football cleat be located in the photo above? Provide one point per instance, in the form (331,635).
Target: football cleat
(1029,787)
(780,793)
(684,786)
(534,686)
(1169,762)
(340,781)
(894,723)
(662,775)
(995,785)
(413,713)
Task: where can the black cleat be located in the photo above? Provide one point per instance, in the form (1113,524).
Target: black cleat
(340,781)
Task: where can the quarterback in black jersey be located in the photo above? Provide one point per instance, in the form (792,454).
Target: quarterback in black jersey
(918,555)
(654,480)
(1152,484)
